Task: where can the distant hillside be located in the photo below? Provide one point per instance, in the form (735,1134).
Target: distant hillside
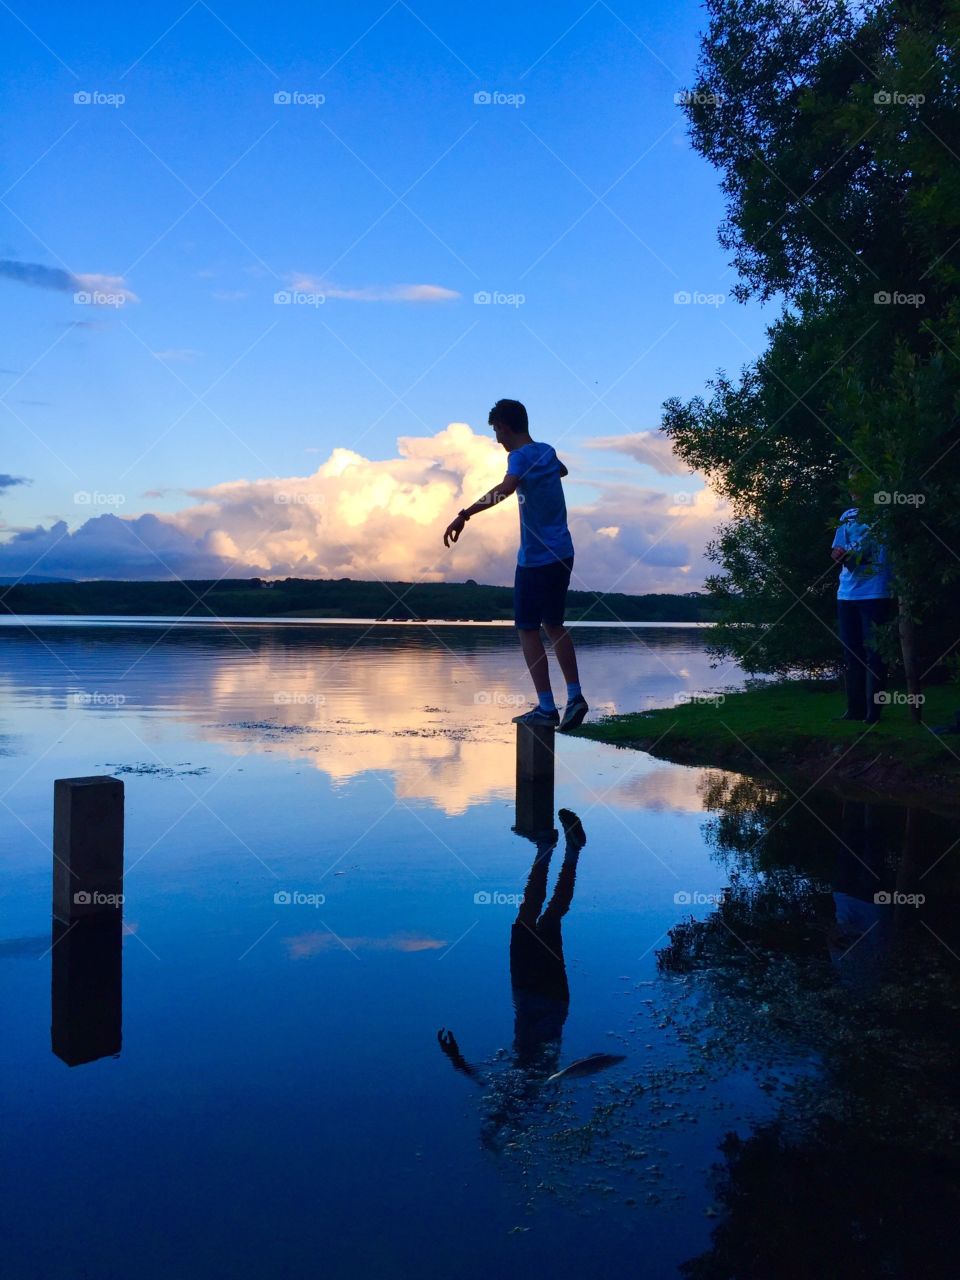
(328,598)
(32,577)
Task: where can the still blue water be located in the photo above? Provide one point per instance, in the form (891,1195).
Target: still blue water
(322,872)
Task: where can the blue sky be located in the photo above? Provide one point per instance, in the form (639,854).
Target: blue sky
(198,198)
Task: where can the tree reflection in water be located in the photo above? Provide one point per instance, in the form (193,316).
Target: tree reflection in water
(835,946)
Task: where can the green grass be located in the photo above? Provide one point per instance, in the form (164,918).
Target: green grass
(792,723)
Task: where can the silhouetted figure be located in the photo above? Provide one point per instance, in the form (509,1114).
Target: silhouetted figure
(864,603)
(538,977)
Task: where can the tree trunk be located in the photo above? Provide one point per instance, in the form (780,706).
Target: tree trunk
(911,662)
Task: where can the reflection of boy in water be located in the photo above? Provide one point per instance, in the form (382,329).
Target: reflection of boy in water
(538,977)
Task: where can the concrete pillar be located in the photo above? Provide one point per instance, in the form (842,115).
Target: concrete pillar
(534,809)
(86,988)
(535,774)
(535,752)
(87,848)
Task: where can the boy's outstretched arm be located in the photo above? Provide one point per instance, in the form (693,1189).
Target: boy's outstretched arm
(448,1043)
(490,499)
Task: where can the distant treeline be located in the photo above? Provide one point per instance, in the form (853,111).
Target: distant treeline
(328,598)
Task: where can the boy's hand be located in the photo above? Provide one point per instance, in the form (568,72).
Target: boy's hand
(454,530)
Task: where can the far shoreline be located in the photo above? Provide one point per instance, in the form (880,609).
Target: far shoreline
(189,620)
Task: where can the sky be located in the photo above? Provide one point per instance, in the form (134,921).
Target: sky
(264,270)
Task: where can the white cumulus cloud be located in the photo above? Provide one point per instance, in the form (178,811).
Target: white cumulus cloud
(363,518)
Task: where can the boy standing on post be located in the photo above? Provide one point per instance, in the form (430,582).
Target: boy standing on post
(544,562)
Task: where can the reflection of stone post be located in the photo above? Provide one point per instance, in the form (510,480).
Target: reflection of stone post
(535,768)
(87,847)
(86,989)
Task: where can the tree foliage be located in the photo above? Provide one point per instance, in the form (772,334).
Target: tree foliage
(836,130)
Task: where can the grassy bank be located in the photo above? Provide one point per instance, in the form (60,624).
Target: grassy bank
(787,730)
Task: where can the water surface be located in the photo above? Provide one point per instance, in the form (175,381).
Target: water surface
(322,872)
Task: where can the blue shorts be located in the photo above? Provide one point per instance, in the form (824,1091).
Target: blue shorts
(540,594)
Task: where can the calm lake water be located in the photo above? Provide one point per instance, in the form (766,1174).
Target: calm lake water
(322,871)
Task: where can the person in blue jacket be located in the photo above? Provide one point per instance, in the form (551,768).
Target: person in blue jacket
(864,602)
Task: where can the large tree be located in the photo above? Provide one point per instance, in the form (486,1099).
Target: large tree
(836,129)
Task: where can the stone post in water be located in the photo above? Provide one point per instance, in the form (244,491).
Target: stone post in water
(87,947)
(535,773)
(87,847)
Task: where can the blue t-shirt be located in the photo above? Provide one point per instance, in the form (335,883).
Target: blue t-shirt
(544,536)
(869,579)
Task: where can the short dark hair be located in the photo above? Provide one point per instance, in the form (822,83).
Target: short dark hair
(510,414)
